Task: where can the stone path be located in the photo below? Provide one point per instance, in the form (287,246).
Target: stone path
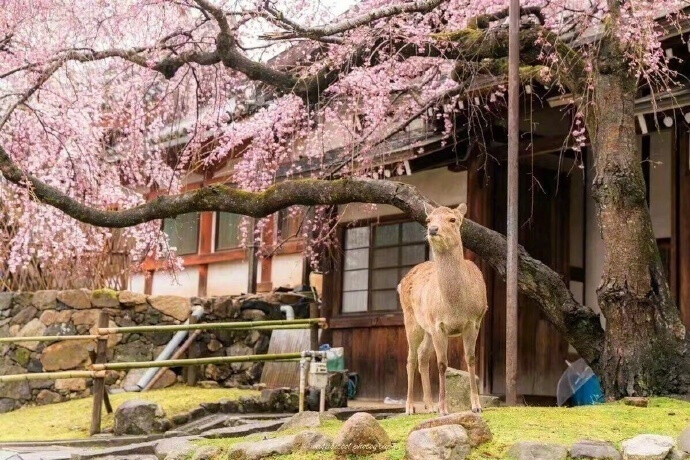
(214,426)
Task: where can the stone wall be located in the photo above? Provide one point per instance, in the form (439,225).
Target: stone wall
(75,312)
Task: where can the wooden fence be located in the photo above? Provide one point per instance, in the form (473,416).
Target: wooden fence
(100,366)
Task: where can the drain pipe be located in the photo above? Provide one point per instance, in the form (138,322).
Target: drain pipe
(175,342)
(288,310)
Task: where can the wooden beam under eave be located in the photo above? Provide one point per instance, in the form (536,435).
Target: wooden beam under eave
(533,147)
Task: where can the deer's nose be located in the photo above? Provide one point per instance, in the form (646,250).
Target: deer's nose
(433,230)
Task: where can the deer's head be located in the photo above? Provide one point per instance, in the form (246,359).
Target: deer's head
(443,227)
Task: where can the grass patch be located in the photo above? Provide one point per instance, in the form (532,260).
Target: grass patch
(612,422)
(71,419)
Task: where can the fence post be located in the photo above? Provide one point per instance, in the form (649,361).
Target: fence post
(99,382)
(314,337)
(192,371)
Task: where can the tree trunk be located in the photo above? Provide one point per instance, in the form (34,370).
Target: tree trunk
(645,341)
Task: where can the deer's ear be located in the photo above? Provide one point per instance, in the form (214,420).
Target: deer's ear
(461,210)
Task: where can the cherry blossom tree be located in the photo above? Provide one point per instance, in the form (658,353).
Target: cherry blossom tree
(92,92)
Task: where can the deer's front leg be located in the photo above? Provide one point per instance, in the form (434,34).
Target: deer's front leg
(440,341)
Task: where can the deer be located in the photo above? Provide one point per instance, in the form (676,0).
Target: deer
(441,298)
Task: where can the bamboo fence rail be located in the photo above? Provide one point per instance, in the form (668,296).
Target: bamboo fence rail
(47,338)
(48,376)
(196,361)
(240,325)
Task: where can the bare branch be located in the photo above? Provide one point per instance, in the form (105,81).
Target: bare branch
(418,6)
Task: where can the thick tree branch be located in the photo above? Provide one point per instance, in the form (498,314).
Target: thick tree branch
(578,324)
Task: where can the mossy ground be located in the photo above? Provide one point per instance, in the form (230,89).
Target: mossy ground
(613,422)
(608,422)
(71,419)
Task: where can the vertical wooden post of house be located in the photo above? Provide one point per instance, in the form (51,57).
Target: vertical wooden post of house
(192,371)
(512,211)
(314,337)
(99,382)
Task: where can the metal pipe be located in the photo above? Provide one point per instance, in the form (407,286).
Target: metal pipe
(196,361)
(168,350)
(48,376)
(303,367)
(239,325)
(512,205)
(175,355)
(47,338)
(289,312)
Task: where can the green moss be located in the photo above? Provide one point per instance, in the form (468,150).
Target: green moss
(104,293)
(613,422)
(71,419)
(22,356)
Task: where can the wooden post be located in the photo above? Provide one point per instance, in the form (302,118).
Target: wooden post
(99,382)
(512,210)
(193,371)
(314,336)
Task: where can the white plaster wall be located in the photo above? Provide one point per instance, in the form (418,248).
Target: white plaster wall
(286,270)
(227,278)
(660,182)
(441,185)
(184,283)
(137,282)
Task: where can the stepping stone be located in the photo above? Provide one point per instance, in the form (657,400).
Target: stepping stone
(242,430)
(445,442)
(261,449)
(537,451)
(594,449)
(647,447)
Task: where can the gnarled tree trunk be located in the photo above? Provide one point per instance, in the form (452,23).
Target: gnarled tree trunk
(645,341)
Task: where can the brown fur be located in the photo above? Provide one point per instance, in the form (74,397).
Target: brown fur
(442,298)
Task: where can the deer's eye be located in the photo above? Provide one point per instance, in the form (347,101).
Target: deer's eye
(452,220)
(428,221)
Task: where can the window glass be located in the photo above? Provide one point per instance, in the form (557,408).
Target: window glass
(183,232)
(228,230)
(374,263)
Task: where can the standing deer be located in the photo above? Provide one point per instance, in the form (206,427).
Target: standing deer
(442,298)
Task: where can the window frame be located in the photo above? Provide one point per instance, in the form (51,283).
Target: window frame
(340,274)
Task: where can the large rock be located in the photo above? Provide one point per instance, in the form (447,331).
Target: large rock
(14,390)
(537,451)
(594,449)
(684,440)
(458,390)
(71,385)
(140,417)
(5,300)
(171,305)
(361,434)
(307,419)
(133,351)
(85,317)
(477,429)
(174,448)
(45,300)
(647,447)
(168,379)
(131,299)
(447,442)
(255,450)
(47,397)
(75,298)
(24,316)
(104,298)
(66,355)
(31,329)
(50,317)
(7,405)
(311,441)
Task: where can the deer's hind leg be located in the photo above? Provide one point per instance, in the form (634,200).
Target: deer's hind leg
(424,352)
(415,335)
